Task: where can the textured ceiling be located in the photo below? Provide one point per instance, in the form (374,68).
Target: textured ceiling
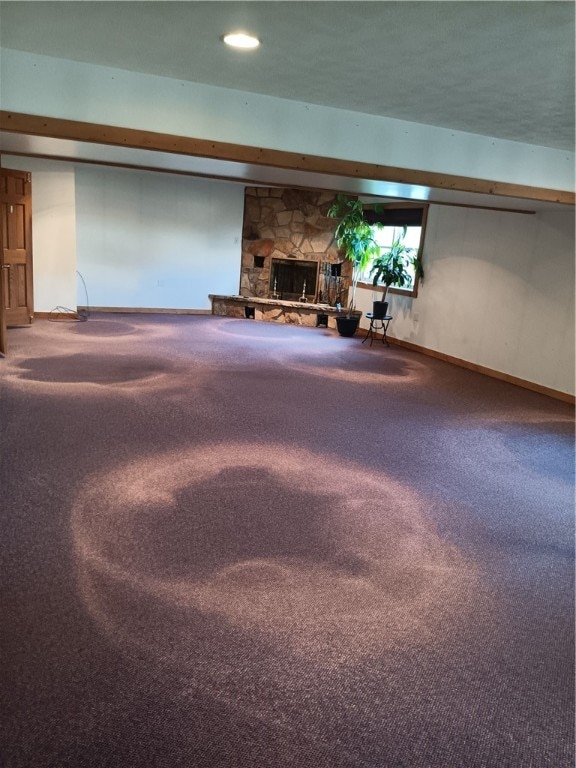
(503,69)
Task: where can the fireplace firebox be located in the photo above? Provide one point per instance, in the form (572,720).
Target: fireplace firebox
(290,279)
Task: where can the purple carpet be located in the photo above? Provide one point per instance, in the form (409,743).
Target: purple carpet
(233,544)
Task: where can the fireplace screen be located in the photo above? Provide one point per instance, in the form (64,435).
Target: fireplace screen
(291,279)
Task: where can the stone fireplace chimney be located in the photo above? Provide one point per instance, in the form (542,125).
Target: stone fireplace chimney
(289,239)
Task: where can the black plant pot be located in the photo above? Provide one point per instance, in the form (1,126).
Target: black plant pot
(379,309)
(347,326)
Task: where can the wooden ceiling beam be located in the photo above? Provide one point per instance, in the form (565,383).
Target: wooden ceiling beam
(73,130)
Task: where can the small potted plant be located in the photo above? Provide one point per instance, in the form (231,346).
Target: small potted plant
(355,238)
(389,266)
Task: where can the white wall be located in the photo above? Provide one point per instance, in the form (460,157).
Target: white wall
(43,85)
(154,240)
(498,292)
(138,239)
(53,231)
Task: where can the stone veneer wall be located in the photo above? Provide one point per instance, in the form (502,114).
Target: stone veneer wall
(287,224)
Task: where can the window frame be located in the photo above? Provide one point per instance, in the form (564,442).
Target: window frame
(410,292)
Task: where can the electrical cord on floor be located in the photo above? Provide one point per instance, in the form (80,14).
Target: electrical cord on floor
(84,313)
(65,314)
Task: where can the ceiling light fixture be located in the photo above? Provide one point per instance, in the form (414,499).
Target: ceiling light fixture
(241,40)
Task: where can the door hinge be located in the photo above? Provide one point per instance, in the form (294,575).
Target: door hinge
(28,178)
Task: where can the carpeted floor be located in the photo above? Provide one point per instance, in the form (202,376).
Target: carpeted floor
(232,544)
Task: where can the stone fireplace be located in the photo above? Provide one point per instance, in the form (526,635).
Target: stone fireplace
(287,240)
(291,270)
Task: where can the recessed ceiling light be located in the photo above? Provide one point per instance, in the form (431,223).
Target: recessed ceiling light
(241,40)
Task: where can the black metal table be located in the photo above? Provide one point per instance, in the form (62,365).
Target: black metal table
(377,324)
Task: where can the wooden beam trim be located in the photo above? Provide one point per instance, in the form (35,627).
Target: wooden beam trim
(249,181)
(15,122)
(494,374)
(245,180)
(144,311)
(56,315)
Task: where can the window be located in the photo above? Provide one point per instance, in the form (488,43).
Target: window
(404,223)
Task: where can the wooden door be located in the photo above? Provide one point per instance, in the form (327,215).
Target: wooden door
(3,338)
(16,252)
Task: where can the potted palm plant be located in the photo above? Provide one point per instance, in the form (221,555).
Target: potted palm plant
(355,238)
